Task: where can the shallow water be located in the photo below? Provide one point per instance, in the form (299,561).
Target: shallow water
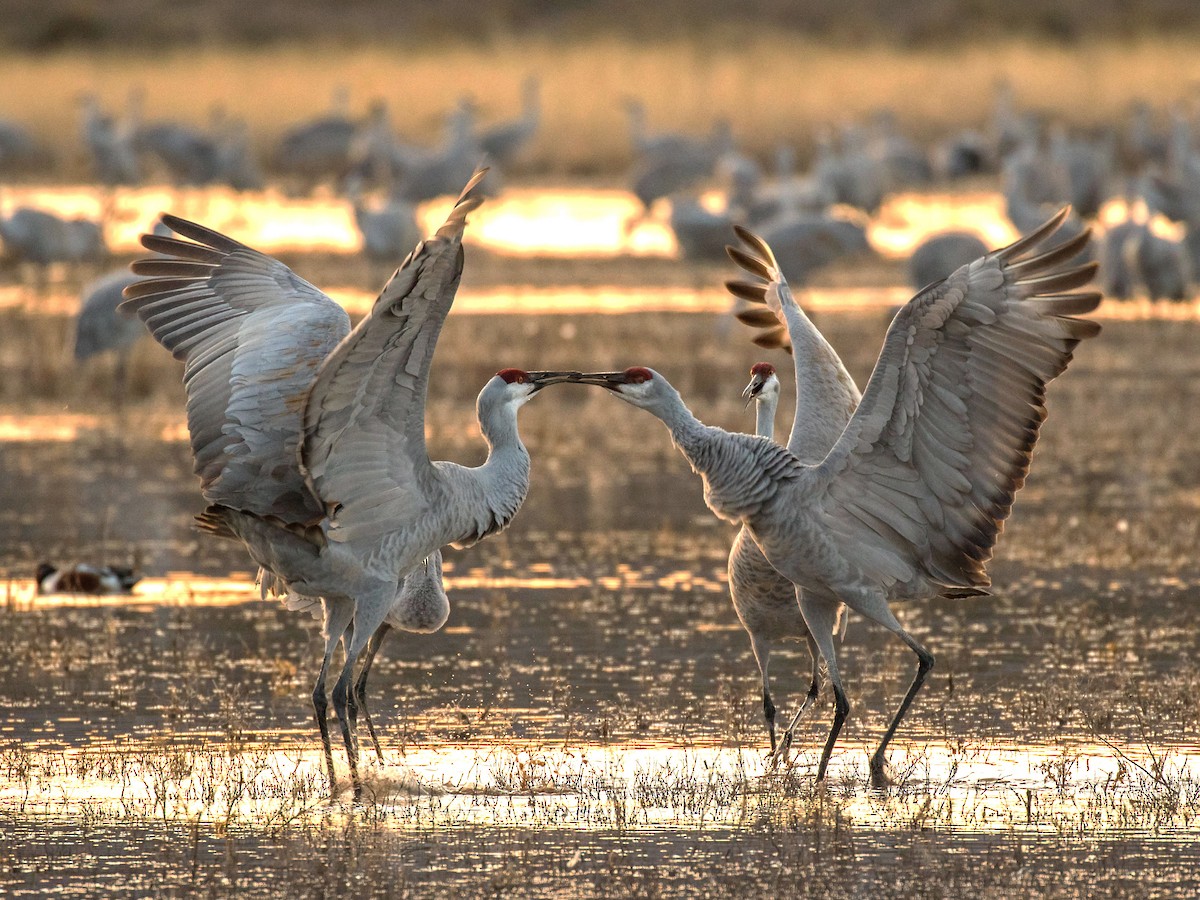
(589,719)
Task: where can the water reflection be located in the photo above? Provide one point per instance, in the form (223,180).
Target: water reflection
(1003,787)
(593,692)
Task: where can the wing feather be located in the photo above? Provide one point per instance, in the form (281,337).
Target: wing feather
(957,400)
(364,418)
(826,395)
(251,335)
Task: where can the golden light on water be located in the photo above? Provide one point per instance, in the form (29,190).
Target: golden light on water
(1005,787)
(525,221)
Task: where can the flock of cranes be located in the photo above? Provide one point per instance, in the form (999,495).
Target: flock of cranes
(309,435)
(309,441)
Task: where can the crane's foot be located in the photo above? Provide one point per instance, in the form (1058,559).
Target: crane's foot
(779,755)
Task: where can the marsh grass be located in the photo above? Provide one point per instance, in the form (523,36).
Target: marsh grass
(773,87)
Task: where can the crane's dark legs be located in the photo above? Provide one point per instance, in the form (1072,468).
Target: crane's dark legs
(762,655)
(337,617)
(879,777)
(814,690)
(347,710)
(821,616)
(360,687)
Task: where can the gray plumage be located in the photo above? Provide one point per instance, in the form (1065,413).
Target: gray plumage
(826,397)
(804,243)
(309,437)
(940,254)
(388,231)
(98,328)
(504,142)
(1134,259)
(910,501)
(43,238)
(679,165)
(700,233)
(321,147)
(190,156)
(109,144)
(434,173)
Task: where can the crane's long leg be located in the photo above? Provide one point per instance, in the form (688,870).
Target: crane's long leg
(814,690)
(337,618)
(762,655)
(369,612)
(879,777)
(346,708)
(820,616)
(360,687)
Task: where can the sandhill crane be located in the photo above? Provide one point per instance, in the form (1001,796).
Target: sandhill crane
(98,327)
(826,397)
(190,156)
(911,499)
(110,144)
(700,233)
(43,238)
(421,606)
(660,174)
(320,147)
(851,174)
(803,243)
(435,173)
(940,254)
(309,437)
(388,230)
(504,142)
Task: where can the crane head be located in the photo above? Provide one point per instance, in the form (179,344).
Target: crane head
(763,381)
(533,381)
(510,389)
(637,384)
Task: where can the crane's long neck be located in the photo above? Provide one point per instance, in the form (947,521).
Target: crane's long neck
(765,408)
(501,483)
(737,469)
(826,395)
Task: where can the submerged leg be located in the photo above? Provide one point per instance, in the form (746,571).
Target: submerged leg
(879,777)
(814,690)
(762,655)
(369,612)
(337,618)
(346,709)
(820,616)
(360,687)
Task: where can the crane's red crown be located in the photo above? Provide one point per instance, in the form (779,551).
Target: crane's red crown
(520,376)
(638,375)
(763,369)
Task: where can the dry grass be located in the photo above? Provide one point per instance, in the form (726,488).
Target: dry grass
(779,88)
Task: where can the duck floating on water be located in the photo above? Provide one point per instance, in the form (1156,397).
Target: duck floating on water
(82,578)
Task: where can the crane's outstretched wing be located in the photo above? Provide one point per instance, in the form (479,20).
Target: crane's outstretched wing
(826,395)
(252,335)
(364,420)
(924,476)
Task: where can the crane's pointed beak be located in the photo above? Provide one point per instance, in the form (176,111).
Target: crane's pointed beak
(610,380)
(753,389)
(540,380)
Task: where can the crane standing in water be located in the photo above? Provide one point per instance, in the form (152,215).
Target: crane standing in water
(309,437)
(911,499)
(826,397)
